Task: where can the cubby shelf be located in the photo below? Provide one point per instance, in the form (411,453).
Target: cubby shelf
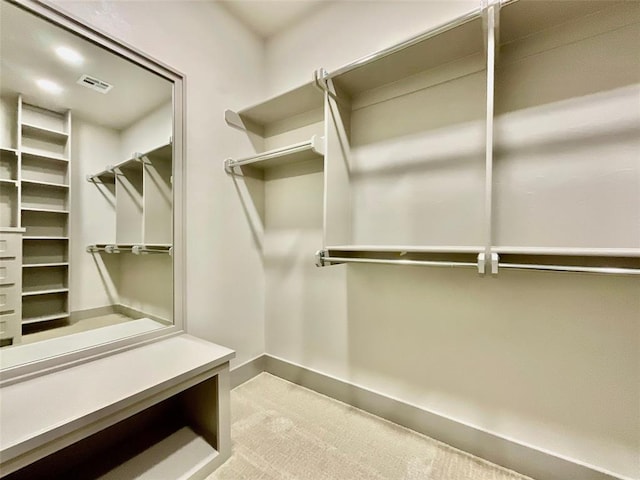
(45,210)
(9,150)
(26,154)
(299,152)
(45,265)
(40,237)
(43,133)
(44,184)
(6,181)
(30,293)
(45,318)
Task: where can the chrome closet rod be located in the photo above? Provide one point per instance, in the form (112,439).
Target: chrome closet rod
(572,268)
(423,263)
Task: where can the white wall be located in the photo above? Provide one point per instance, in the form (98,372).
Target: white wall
(8,121)
(224,284)
(150,131)
(547,359)
(92,219)
(345,31)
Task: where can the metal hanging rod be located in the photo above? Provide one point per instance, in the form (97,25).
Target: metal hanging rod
(572,268)
(559,251)
(405,248)
(315,144)
(323,261)
(135,249)
(141,249)
(103,248)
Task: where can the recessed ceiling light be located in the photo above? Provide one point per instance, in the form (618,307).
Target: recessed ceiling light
(49,86)
(69,55)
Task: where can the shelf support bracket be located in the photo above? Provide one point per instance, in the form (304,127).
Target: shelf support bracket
(235,120)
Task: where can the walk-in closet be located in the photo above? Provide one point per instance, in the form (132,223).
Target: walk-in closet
(320,239)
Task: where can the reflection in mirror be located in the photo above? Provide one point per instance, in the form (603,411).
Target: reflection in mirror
(86,201)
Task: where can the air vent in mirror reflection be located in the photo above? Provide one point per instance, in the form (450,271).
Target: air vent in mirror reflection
(94,84)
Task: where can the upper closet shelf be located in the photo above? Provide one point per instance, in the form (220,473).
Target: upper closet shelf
(444,44)
(108,175)
(520,19)
(311,149)
(43,133)
(294,103)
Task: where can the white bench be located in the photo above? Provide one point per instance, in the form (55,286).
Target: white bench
(160,410)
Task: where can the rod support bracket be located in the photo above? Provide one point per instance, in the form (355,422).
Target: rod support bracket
(320,254)
(495,260)
(228,166)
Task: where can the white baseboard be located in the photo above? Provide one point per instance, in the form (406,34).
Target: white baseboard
(524,459)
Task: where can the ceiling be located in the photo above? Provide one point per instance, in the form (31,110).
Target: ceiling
(268,17)
(27,53)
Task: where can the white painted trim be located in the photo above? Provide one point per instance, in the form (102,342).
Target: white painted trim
(247,370)
(526,459)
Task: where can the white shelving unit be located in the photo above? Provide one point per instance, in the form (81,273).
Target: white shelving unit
(44,150)
(143,197)
(10,193)
(285,130)
(500,139)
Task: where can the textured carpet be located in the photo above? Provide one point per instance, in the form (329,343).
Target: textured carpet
(281,431)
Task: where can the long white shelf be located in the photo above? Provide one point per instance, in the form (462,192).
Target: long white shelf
(299,152)
(47,134)
(446,43)
(8,181)
(44,292)
(44,318)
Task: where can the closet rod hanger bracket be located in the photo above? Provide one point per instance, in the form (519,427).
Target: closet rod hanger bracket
(493,263)
(320,77)
(490,21)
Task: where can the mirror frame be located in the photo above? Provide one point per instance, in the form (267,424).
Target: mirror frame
(63,19)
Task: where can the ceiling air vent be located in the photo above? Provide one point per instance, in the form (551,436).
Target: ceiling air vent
(94,84)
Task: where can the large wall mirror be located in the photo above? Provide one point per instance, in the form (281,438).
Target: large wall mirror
(90,175)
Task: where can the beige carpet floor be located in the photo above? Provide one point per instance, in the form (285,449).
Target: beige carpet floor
(281,431)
